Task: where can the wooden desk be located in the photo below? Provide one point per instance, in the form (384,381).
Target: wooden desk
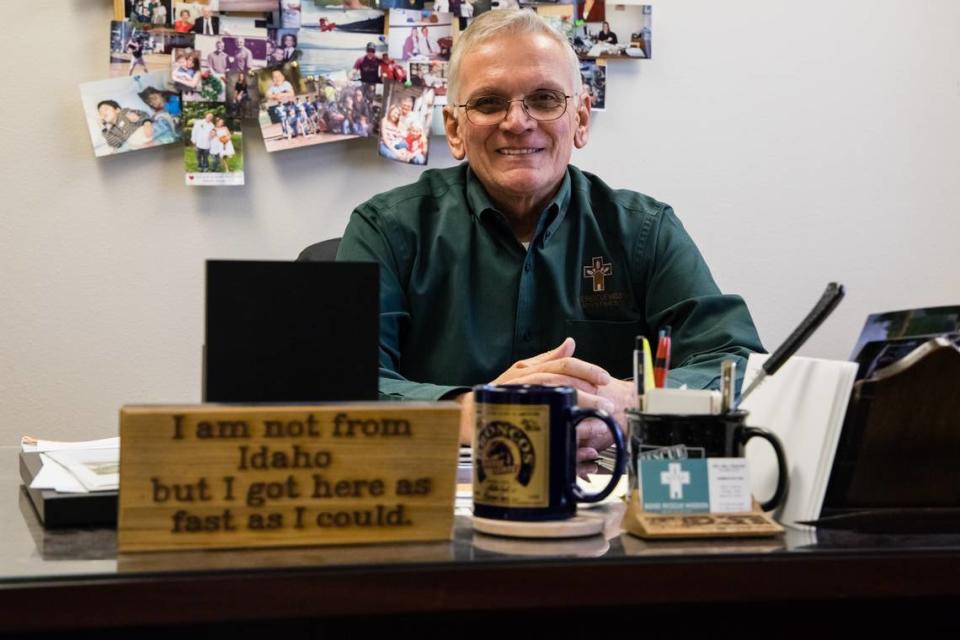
(73,579)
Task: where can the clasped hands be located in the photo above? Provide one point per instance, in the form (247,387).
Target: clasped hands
(596,389)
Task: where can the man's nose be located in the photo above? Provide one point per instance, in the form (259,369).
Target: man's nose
(516,118)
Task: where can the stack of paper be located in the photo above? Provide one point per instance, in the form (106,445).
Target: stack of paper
(804,404)
(76,467)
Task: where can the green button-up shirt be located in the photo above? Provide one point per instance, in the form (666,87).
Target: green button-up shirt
(461,299)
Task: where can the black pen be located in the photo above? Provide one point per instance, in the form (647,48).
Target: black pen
(828,302)
(638,373)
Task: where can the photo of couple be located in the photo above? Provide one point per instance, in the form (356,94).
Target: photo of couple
(213,151)
(420,35)
(405,129)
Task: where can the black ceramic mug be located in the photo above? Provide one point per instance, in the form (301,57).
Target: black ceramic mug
(525,452)
(709,436)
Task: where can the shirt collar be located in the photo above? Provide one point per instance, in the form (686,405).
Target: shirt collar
(480,204)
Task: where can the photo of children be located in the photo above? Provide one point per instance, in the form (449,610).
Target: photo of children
(297,113)
(594,76)
(149,12)
(243,97)
(213,149)
(405,126)
(432,75)
(419,35)
(624,31)
(130,113)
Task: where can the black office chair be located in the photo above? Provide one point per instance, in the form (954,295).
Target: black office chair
(325,251)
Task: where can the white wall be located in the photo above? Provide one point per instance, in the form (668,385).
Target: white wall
(800,142)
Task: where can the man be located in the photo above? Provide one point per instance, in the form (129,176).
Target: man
(201,136)
(517,267)
(208,24)
(243,59)
(368,65)
(426,46)
(217,60)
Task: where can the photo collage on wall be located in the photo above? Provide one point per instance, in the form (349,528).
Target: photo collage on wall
(310,72)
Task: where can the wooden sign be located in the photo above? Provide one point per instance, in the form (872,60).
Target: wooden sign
(219,476)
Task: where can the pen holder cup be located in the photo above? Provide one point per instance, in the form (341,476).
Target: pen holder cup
(698,436)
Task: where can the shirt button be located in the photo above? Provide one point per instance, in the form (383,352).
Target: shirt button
(526,336)
(526,267)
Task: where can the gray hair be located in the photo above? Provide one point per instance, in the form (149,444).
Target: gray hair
(499,22)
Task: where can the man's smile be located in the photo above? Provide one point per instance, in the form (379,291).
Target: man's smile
(519,151)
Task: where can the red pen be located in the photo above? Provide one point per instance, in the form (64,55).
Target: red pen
(661,366)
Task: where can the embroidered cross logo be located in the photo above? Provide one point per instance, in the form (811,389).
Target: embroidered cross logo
(597,271)
(676,478)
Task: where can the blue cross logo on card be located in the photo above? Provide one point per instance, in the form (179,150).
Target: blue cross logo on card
(675,486)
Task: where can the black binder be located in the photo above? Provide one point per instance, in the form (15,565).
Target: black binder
(59,510)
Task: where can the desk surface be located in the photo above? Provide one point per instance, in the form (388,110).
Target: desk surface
(93,587)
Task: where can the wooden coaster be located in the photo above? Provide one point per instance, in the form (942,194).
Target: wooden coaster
(580,526)
(586,547)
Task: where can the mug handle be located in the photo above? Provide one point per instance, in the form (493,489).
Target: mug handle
(755,432)
(576,416)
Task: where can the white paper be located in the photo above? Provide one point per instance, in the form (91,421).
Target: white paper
(95,469)
(804,404)
(54,476)
(30,444)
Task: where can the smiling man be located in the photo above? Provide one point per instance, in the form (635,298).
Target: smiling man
(517,267)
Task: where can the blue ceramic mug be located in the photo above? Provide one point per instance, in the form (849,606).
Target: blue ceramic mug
(525,452)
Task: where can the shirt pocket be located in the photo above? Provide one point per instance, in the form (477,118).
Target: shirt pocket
(606,343)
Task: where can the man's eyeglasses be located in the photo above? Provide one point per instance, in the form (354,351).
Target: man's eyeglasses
(543,105)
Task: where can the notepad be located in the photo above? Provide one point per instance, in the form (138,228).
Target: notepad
(804,404)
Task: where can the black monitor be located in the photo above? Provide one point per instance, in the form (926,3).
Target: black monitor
(291,331)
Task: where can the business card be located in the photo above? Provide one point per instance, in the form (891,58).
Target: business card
(713,485)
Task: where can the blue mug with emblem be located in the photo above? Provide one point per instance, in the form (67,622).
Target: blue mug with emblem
(525,452)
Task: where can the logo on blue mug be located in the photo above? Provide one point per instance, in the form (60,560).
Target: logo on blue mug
(504,449)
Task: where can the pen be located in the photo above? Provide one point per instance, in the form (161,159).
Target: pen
(648,382)
(638,372)
(828,302)
(662,366)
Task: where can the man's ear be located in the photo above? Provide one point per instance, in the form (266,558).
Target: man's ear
(582,132)
(454,138)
